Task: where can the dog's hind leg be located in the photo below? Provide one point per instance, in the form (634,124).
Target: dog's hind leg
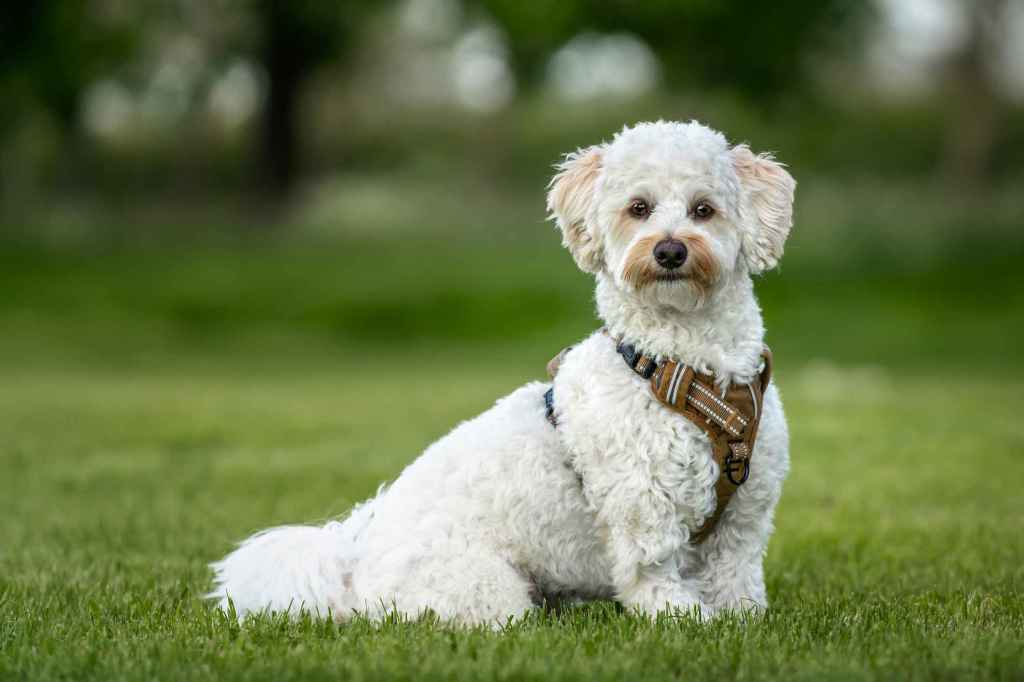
(468,586)
(293,569)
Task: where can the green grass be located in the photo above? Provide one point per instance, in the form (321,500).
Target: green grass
(157,406)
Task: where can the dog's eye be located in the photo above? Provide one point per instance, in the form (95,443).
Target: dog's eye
(703,210)
(639,208)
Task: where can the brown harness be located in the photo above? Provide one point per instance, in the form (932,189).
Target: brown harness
(729,419)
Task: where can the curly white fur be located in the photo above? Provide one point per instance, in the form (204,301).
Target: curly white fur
(506,511)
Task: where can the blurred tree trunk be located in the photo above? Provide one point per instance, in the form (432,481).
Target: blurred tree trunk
(280,132)
(296,37)
(977,106)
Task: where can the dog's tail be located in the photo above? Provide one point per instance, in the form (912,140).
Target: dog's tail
(294,569)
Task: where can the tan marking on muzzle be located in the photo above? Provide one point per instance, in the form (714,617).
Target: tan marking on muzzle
(700,268)
(640,269)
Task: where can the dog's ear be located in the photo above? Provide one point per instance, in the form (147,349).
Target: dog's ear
(767,206)
(570,199)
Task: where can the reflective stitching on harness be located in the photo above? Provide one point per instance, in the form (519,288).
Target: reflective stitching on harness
(729,412)
(677,377)
(718,401)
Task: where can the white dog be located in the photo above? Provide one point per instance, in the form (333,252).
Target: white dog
(607,498)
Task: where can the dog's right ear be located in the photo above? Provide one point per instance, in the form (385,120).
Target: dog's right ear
(570,199)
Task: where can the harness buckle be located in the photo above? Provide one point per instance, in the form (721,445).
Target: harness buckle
(736,465)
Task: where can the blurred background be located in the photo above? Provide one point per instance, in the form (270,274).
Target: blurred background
(124,122)
(345,171)
(302,188)
(256,254)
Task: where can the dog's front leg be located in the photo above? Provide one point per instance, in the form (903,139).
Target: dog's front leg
(731,574)
(647,548)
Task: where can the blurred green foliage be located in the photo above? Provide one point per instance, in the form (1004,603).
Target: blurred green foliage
(760,50)
(331,100)
(50,52)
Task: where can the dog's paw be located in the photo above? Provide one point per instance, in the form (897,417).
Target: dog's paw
(680,606)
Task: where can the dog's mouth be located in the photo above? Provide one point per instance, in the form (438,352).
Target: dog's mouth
(669,276)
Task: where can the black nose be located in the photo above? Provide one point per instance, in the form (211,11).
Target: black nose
(670,254)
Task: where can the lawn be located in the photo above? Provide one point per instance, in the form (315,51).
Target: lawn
(160,404)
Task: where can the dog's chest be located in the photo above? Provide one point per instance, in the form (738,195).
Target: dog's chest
(620,438)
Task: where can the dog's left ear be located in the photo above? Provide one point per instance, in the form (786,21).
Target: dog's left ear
(767,207)
(570,198)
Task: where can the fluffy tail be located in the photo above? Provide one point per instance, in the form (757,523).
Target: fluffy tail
(294,569)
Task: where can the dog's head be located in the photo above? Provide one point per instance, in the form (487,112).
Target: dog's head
(669,211)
